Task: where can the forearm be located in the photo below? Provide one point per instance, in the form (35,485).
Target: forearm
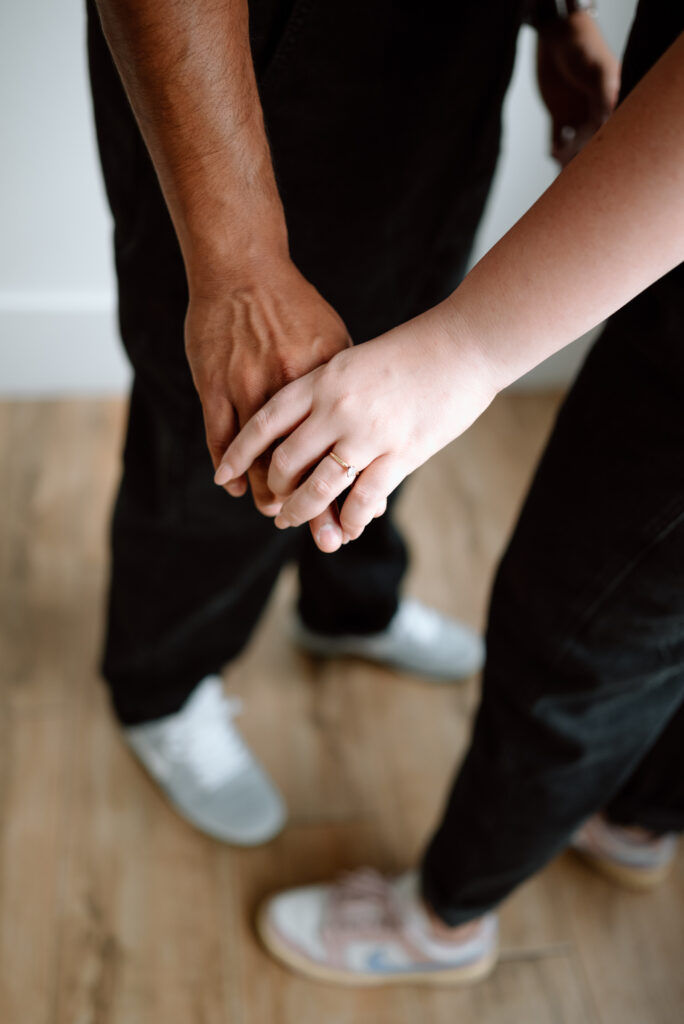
(611,224)
(187,68)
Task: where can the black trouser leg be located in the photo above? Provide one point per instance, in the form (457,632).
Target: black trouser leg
(384,160)
(191,568)
(331,600)
(653,796)
(189,575)
(585,667)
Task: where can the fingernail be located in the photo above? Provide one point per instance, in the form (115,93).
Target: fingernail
(329,532)
(223,474)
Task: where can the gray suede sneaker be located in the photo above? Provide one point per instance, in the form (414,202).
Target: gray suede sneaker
(207,770)
(418,639)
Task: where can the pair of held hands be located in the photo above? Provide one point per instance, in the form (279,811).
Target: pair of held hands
(273,358)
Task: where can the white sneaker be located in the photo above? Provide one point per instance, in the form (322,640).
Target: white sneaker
(418,639)
(207,770)
(367,930)
(629,856)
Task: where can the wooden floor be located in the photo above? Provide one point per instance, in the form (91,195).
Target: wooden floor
(113,910)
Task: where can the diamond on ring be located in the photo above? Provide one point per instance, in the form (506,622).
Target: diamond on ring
(351,471)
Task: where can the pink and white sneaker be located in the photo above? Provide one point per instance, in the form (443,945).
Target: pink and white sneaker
(366,930)
(632,857)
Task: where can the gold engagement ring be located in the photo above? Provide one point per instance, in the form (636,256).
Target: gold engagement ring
(352,471)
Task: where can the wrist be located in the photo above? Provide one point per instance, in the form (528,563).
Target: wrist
(459,352)
(224,231)
(470,347)
(235,252)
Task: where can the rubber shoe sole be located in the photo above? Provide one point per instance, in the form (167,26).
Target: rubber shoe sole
(634,879)
(283,952)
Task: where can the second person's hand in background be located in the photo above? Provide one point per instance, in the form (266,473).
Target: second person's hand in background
(579,80)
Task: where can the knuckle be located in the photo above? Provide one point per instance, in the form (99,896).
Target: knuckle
(327,373)
(320,487)
(353,527)
(323,377)
(352,518)
(287,369)
(280,460)
(345,403)
(289,515)
(364,495)
(216,443)
(212,437)
(262,420)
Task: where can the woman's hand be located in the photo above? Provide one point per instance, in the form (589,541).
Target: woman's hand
(383,407)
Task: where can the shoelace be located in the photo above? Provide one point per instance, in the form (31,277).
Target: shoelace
(208,743)
(361,899)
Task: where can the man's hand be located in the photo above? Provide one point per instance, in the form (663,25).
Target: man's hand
(244,343)
(579,79)
(255,324)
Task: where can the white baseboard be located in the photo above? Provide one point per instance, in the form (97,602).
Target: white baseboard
(64,343)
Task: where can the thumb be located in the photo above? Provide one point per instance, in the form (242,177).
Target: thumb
(220,427)
(326,530)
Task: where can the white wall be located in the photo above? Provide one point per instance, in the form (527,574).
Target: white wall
(57,328)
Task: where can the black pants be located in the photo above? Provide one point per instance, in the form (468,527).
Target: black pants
(583,698)
(384,122)
(582,704)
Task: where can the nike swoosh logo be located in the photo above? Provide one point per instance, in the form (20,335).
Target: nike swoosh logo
(378,963)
